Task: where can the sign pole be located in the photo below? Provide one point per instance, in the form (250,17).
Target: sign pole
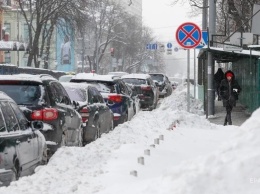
(188,80)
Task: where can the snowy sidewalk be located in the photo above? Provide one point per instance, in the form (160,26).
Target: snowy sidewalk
(239,115)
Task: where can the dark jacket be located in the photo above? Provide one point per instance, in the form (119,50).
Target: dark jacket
(218,77)
(228,91)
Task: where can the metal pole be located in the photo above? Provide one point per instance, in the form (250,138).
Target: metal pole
(188,80)
(82,53)
(194,82)
(212,30)
(18,34)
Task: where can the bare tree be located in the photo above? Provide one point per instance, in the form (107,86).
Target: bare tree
(37,14)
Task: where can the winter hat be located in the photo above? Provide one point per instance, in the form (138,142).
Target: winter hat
(229,74)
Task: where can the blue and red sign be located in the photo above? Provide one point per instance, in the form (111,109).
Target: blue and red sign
(188,35)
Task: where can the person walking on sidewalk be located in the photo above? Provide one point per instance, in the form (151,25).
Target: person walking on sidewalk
(218,77)
(229,90)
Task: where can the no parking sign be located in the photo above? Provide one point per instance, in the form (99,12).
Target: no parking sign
(188,35)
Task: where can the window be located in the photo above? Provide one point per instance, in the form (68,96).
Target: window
(20,116)
(10,118)
(59,94)
(2,123)
(7,27)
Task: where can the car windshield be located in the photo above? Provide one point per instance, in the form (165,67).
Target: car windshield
(76,94)
(22,94)
(134,81)
(157,77)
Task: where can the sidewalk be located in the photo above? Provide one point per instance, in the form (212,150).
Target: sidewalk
(238,114)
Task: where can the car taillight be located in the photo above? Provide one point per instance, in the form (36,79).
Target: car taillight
(84,112)
(46,114)
(146,87)
(115,98)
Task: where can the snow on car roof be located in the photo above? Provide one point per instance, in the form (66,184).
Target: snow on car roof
(93,76)
(23,77)
(136,75)
(75,85)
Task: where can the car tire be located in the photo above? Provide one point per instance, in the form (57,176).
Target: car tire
(80,139)
(97,134)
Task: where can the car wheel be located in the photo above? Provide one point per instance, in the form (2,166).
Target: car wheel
(112,125)
(44,156)
(97,134)
(126,117)
(16,171)
(80,139)
(63,140)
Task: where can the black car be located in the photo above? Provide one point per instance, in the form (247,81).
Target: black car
(22,145)
(96,116)
(42,97)
(162,81)
(115,93)
(144,88)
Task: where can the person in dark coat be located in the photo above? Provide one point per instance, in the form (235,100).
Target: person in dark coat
(229,90)
(218,77)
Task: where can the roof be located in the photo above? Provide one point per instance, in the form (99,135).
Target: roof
(26,77)
(94,76)
(222,55)
(75,85)
(118,73)
(136,75)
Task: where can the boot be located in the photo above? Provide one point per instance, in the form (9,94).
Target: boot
(225,122)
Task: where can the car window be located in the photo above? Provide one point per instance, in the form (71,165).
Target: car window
(10,118)
(96,94)
(76,94)
(22,93)
(20,116)
(59,94)
(157,77)
(105,87)
(2,123)
(134,81)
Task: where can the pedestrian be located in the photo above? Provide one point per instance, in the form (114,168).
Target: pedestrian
(218,77)
(229,90)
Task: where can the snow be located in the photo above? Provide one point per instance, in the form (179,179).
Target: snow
(136,75)
(193,156)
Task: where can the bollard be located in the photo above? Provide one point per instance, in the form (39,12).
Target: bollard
(156,141)
(147,152)
(134,173)
(161,137)
(153,146)
(140,160)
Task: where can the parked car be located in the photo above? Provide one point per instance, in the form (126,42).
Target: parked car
(42,97)
(115,93)
(96,116)
(65,78)
(144,88)
(118,73)
(22,145)
(163,83)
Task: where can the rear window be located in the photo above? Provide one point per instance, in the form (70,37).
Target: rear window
(76,94)
(22,93)
(157,77)
(134,81)
(102,86)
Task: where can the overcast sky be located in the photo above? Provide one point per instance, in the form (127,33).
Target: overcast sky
(164,20)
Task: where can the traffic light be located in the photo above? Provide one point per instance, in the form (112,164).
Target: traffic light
(112,52)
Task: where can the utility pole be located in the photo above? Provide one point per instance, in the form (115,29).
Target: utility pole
(212,31)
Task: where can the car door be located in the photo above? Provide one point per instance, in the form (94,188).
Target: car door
(129,101)
(103,109)
(21,140)
(71,118)
(34,140)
